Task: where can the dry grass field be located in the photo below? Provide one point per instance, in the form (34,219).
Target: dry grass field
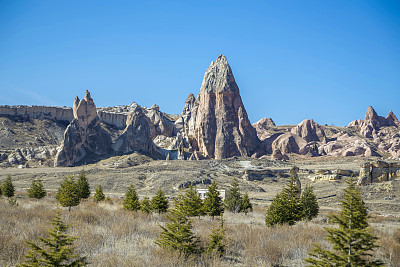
(111,236)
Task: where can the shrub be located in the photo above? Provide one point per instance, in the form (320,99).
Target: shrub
(213,205)
(159,202)
(233,200)
(131,201)
(99,196)
(83,185)
(36,190)
(7,188)
(68,195)
(309,204)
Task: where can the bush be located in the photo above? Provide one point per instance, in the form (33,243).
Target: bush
(99,196)
(7,188)
(83,185)
(131,201)
(213,205)
(68,195)
(159,202)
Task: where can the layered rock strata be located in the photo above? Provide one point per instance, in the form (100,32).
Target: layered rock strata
(378,171)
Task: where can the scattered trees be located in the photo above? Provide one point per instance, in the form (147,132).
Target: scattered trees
(56,250)
(131,201)
(99,195)
(286,206)
(68,195)
(7,188)
(213,205)
(159,202)
(83,185)
(177,234)
(353,241)
(36,190)
(309,204)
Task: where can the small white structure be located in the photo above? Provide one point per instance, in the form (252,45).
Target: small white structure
(202,193)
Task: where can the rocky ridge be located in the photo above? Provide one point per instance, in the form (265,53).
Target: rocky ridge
(212,125)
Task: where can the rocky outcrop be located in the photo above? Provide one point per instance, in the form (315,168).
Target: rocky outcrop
(309,131)
(137,134)
(262,127)
(182,124)
(84,138)
(391,120)
(288,143)
(378,171)
(219,127)
(38,112)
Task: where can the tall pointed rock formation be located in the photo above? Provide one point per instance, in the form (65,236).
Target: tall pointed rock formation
(84,138)
(219,126)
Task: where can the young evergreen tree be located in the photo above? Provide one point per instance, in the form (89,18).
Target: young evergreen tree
(99,196)
(213,205)
(192,203)
(159,202)
(145,205)
(131,201)
(309,203)
(353,242)
(246,204)
(177,234)
(286,206)
(56,249)
(233,200)
(8,189)
(67,194)
(36,190)
(83,185)
(217,240)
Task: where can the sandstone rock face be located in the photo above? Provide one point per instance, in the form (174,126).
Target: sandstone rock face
(288,143)
(262,127)
(84,137)
(137,134)
(378,171)
(219,127)
(182,124)
(309,131)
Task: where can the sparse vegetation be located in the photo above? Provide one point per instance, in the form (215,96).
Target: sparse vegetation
(286,206)
(68,195)
(7,187)
(56,250)
(99,195)
(131,201)
(36,190)
(83,185)
(159,203)
(213,205)
(353,242)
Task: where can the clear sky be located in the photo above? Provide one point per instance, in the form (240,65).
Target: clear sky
(292,60)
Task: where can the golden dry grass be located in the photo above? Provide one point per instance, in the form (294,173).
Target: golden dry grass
(111,236)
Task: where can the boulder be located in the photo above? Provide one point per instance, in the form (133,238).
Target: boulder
(84,138)
(219,127)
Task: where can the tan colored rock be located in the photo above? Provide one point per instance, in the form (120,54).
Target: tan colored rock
(219,127)
(84,138)
(288,143)
(262,127)
(309,131)
(391,120)
(378,171)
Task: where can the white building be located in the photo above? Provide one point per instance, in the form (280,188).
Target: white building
(202,193)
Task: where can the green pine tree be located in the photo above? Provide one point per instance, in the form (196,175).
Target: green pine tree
(131,201)
(246,204)
(36,190)
(177,234)
(233,200)
(213,205)
(192,203)
(99,196)
(309,203)
(83,185)
(353,242)
(67,195)
(56,250)
(145,205)
(159,202)
(8,189)
(217,240)
(286,206)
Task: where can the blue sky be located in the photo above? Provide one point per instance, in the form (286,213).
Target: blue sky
(292,60)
